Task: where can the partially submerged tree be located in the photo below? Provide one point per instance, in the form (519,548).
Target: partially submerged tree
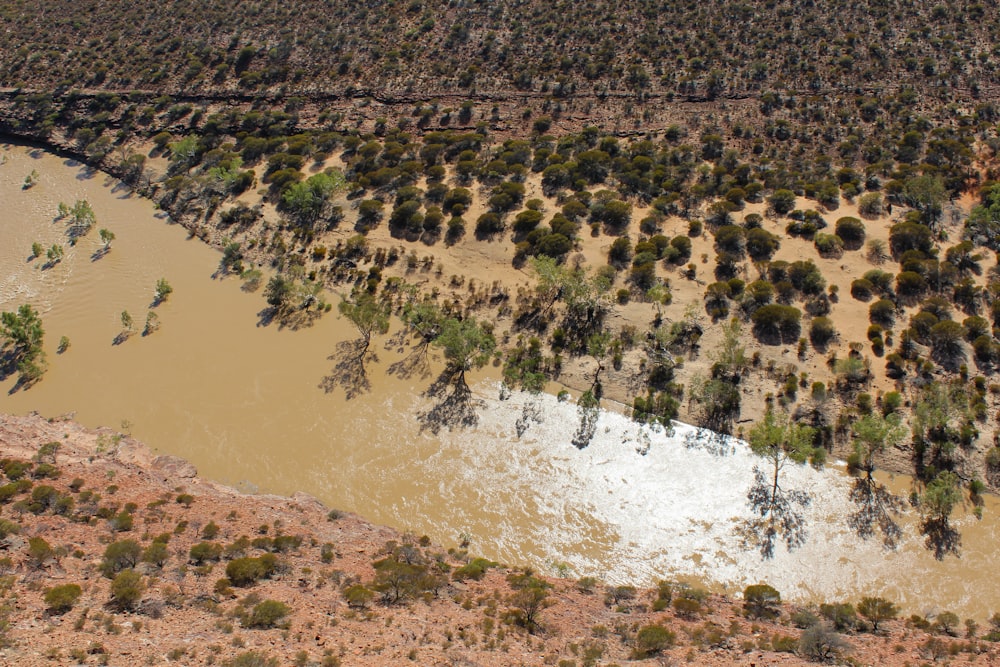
(778,511)
(466,344)
(877,506)
(22,334)
(370,316)
(937,502)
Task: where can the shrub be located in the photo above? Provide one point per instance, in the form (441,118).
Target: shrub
(652,639)
(975,327)
(842,615)
(870,204)
(119,556)
(474,569)
(61,599)
(682,246)
(731,239)
(127,589)
(156,554)
(877,610)
(776,320)
(910,236)
(246,571)
(358,596)
(8,528)
(489,224)
(782,201)
(883,313)
(527,220)
(822,331)
(621,252)
(685,607)
(821,644)
(851,231)
(806,277)
(828,245)
(881,281)
(862,289)
(254,659)
(266,614)
(204,551)
(761,244)
(761,601)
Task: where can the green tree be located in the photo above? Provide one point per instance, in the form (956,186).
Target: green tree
(156,554)
(54,254)
(877,610)
(162,292)
(107,236)
(716,398)
(22,335)
(983,224)
(926,194)
(309,201)
(183,152)
(877,506)
(527,602)
(466,345)
(80,218)
(821,643)
(358,596)
(937,503)
(782,201)
(152,323)
(120,555)
(778,512)
(368,314)
(279,292)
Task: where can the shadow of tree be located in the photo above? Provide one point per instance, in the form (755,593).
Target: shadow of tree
(531,413)
(716,444)
(941,537)
(8,364)
(877,509)
(293,320)
(587,428)
(99,253)
(778,516)
(453,405)
(348,369)
(415,364)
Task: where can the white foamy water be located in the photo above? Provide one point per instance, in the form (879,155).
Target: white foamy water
(612,511)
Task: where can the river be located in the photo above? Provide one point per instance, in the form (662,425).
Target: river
(241,399)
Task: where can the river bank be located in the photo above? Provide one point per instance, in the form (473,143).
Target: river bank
(243,401)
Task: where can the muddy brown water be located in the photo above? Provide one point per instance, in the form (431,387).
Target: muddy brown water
(241,399)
